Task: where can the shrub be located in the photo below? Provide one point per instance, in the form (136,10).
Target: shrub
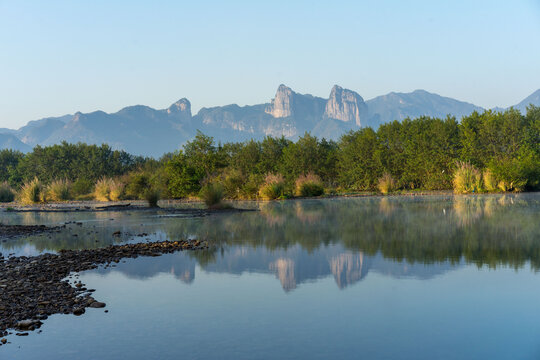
(107,189)
(32,192)
(137,185)
(273,187)
(59,190)
(6,193)
(81,187)
(233,181)
(152,196)
(467,178)
(212,194)
(309,185)
(511,174)
(490,182)
(386,184)
(250,188)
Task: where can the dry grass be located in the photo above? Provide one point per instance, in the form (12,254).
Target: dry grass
(108,189)
(386,184)
(273,187)
(467,178)
(490,182)
(59,190)
(32,192)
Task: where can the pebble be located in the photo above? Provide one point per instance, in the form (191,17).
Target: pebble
(33,288)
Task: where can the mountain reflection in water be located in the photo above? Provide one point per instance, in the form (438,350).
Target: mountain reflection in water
(305,240)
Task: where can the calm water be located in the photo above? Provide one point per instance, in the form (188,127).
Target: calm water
(375,278)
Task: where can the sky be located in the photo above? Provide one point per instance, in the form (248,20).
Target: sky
(59,57)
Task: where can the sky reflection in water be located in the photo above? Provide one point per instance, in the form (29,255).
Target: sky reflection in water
(422,277)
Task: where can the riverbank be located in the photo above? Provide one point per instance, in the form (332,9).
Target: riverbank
(33,288)
(188,206)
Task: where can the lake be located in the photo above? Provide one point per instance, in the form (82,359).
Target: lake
(423,277)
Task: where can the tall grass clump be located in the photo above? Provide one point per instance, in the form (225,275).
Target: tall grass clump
(152,196)
(273,187)
(308,185)
(59,190)
(212,194)
(490,182)
(467,178)
(32,192)
(386,184)
(108,189)
(6,193)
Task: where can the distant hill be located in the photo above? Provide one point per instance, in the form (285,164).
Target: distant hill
(143,130)
(10,141)
(534,99)
(398,106)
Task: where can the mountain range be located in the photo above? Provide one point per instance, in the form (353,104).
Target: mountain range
(142,130)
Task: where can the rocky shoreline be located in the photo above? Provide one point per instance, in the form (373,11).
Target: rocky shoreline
(12,231)
(33,288)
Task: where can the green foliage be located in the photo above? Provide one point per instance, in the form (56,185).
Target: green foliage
(358,164)
(212,194)
(9,162)
(273,187)
(510,173)
(419,153)
(309,185)
(386,184)
(6,193)
(32,192)
(152,196)
(467,178)
(74,161)
(59,190)
(137,184)
(82,186)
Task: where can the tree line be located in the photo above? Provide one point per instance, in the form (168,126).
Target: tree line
(421,153)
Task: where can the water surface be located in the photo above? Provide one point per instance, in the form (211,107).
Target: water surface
(436,277)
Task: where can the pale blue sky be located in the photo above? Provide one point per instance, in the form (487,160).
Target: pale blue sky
(59,57)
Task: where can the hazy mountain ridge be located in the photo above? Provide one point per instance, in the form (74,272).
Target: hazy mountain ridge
(143,130)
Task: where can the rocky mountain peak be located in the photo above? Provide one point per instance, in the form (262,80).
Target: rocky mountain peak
(345,105)
(283,103)
(181,106)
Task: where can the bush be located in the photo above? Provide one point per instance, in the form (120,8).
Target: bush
(490,182)
(386,184)
(107,189)
(233,181)
(6,193)
(511,174)
(137,185)
(250,188)
(59,190)
(32,192)
(273,187)
(467,178)
(212,194)
(309,185)
(81,187)
(152,196)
